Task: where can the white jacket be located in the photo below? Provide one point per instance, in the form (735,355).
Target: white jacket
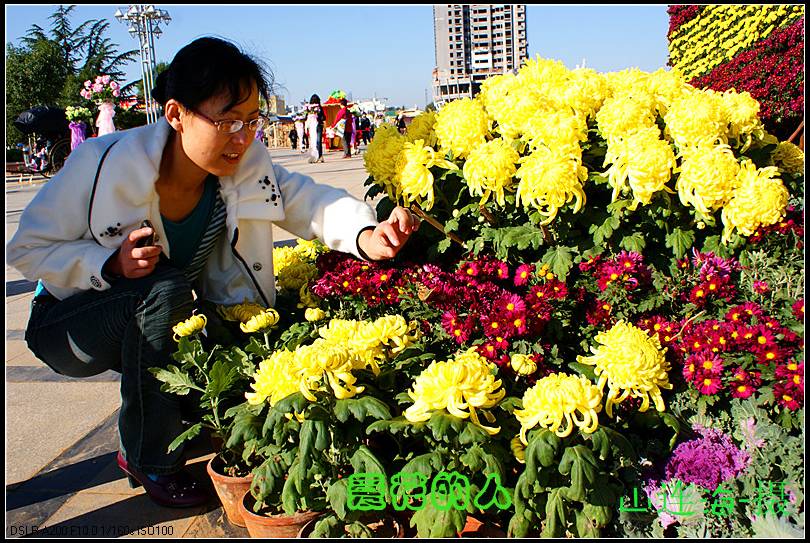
(74,224)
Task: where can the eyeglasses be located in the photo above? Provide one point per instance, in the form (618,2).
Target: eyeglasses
(229,126)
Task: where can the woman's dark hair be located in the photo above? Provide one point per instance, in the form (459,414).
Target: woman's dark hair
(315,99)
(343,102)
(208,67)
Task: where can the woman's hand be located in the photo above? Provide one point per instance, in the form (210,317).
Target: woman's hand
(133,262)
(386,240)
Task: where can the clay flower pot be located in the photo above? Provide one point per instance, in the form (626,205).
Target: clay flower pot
(272,526)
(229,489)
(475,528)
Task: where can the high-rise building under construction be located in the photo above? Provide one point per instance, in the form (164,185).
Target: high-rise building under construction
(474,42)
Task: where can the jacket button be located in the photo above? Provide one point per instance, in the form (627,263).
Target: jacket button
(257,266)
(95,282)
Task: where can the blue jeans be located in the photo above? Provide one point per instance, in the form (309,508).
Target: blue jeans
(128,329)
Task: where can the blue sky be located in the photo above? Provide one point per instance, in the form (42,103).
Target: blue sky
(382,50)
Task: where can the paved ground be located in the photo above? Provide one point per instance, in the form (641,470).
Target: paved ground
(61,433)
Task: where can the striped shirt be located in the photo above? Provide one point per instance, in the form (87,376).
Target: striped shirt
(216,225)
(193,239)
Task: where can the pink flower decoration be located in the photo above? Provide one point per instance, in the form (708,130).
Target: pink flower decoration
(116,93)
(105,79)
(98,87)
(87,84)
(114,85)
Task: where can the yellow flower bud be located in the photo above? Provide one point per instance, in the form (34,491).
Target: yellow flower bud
(189,326)
(523,364)
(313,314)
(265,319)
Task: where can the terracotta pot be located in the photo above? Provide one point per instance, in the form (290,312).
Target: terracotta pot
(476,528)
(229,489)
(271,526)
(382,528)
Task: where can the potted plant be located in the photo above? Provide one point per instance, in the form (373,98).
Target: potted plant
(319,399)
(217,377)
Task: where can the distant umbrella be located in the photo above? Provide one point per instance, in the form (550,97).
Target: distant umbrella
(44,120)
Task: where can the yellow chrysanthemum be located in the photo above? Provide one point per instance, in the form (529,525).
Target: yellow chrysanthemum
(275,379)
(696,117)
(759,200)
(422,128)
(496,99)
(621,116)
(489,170)
(296,275)
(631,363)
(585,91)
(314,314)
(629,82)
(325,360)
(560,402)
(380,158)
(789,157)
(459,386)
(742,112)
(189,326)
(547,79)
(460,126)
(522,364)
(518,449)
(550,178)
(555,128)
(708,175)
(644,161)
(667,86)
(262,321)
(414,180)
(309,249)
(307,298)
(283,257)
(240,312)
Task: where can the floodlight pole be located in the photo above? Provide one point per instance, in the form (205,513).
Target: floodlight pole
(144,20)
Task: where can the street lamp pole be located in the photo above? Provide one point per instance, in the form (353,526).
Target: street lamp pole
(144,20)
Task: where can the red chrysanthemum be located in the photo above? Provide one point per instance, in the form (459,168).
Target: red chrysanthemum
(523,274)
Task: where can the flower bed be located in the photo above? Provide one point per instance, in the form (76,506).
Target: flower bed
(758,49)
(599,334)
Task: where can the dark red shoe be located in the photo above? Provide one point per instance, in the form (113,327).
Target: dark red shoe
(175,490)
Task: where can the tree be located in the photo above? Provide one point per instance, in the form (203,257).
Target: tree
(50,68)
(35,75)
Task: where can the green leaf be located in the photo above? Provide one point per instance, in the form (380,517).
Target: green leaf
(584,525)
(542,449)
(337,494)
(426,464)
(634,242)
(583,369)
(560,259)
(174,380)
(431,522)
(680,241)
(443,245)
(579,463)
(364,461)
(555,514)
(440,423)
(189,434)
(605,230)
(473,433)
(220,378)
(673,423)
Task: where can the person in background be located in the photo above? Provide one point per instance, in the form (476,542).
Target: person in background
(293,138)
(111,287)
(314,124)
(299,130)
(401,122)
(365,126)
(345,115)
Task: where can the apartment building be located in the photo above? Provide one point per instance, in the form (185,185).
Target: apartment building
(474,42)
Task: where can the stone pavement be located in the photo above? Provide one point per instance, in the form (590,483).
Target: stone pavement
(61,433)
